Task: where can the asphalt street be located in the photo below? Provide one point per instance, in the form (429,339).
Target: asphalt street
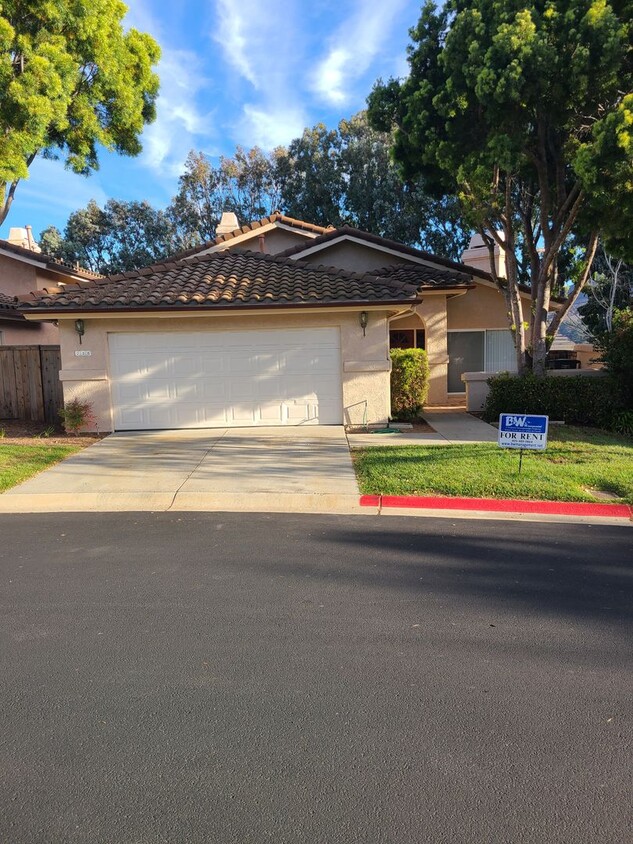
(243,678)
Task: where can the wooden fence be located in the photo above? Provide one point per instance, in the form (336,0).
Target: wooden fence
(30,389)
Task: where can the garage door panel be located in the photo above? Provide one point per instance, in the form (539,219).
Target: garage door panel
(206,379)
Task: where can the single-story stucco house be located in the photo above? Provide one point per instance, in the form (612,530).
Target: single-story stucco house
(279,322)
(23,268)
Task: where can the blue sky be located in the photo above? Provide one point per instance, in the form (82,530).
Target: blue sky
(233,72)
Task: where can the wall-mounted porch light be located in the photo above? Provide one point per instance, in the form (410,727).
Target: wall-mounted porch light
(363,318)
(80,328)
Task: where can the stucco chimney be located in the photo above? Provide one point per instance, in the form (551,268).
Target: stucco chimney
(23,237)
(227,224)
(477,255)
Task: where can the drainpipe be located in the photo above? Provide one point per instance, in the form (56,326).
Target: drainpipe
(262,242)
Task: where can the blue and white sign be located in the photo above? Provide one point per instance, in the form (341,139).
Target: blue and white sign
(520,430)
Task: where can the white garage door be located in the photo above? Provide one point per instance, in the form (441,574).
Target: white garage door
(226,378)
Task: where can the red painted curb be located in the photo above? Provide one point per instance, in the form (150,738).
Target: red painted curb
(495,505)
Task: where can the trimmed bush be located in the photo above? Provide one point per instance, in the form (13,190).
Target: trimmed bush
(409,382)
(578,400)
(617,353)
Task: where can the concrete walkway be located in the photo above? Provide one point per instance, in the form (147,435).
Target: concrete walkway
(247,469)
(451,427)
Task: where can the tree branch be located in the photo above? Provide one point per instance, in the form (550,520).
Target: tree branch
(578,286)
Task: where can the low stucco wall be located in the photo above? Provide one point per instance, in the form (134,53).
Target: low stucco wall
(365,363)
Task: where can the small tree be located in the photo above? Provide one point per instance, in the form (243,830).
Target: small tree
(610,290)
(76,414)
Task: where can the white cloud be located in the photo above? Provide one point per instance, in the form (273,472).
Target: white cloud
(263,45)
(352,49)
(180,122)
(238,34)
(270,127)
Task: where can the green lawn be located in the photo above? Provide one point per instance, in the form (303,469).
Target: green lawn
(577,461)
(20,462)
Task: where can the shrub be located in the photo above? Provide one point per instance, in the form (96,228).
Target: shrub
(409,382)
(76,414)
(578,400)
(617,353)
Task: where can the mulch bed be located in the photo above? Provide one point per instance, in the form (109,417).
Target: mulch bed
(40,433)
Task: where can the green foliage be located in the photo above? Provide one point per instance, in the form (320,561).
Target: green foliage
(610,290)
(346,176)
(409,382)
(76,414)
(617,353)
(577,400)
(246,183)
(524,111)
(341,176)
(120,236)
(622,423)
(71,79)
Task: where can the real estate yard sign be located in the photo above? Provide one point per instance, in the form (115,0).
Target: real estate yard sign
(523,431)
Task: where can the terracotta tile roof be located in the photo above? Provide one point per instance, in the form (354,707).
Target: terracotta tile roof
(9,307)
(375,239)
(8,303)
(275,217)
(223,280)
(48,262)
(422,276)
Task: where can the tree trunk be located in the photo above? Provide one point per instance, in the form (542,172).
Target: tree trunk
(539,326)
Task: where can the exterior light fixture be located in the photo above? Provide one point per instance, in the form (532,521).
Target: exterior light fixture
(363,318)
(80,328)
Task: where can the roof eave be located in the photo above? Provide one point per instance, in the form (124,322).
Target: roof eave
(52,313)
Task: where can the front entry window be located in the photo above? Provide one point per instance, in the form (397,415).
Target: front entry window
(406,338)
(465,354)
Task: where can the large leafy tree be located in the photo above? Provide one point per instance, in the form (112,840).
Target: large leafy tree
(347,176)
(120,236)
(244,183)
(71,80)
(524,110)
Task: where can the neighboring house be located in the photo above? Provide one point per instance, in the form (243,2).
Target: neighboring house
(277,322)
(24,268)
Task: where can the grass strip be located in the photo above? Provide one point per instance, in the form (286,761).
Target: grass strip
(580,464)
(20,462)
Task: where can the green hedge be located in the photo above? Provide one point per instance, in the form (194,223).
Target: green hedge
(579,400)
(409,382)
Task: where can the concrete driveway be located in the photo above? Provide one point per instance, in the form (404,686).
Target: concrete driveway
(263,469)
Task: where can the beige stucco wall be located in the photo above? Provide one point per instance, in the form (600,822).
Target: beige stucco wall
(482,307)
(588,356)
(27,334)
(348,255)
(18,278)
(365,363)
(275,241)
